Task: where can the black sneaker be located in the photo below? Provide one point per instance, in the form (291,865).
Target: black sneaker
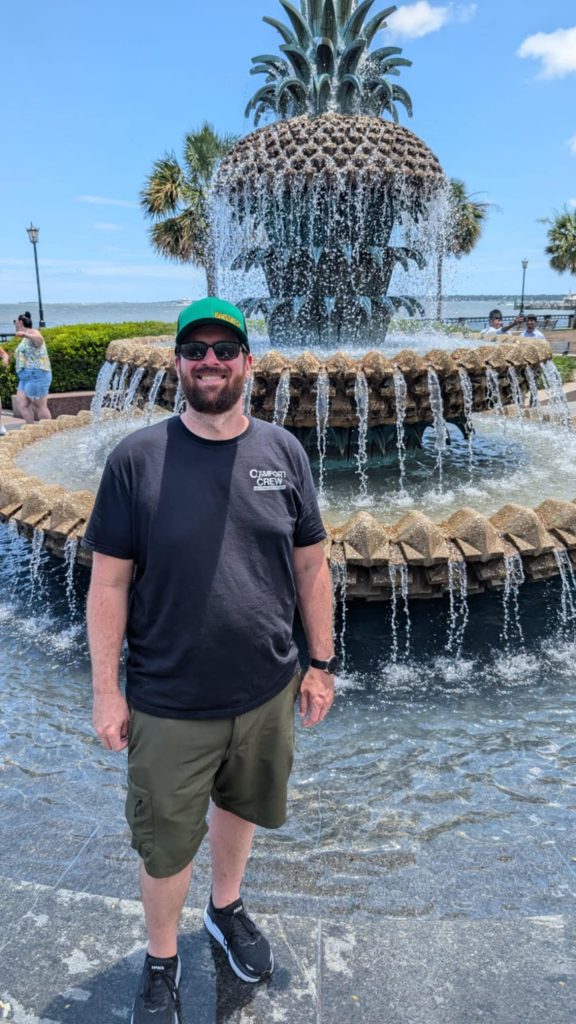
(248,951)
(158,999)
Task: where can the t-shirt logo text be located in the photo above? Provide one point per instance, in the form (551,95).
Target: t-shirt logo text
(268,479)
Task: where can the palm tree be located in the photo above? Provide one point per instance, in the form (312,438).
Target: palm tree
(463,229)
(175,197)
(561,246)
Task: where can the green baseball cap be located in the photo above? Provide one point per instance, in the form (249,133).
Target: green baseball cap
(212,311)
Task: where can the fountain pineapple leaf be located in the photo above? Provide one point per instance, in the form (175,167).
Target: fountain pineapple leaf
(328,66)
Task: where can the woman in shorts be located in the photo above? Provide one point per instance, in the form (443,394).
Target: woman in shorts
(33,371)
(4,359)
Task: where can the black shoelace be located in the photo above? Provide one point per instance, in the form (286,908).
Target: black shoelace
(154,990)
(240,924)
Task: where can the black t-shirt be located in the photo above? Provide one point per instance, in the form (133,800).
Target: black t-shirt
(211,527)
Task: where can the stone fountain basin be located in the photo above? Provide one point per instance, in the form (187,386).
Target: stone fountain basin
(541,537)
(343,370)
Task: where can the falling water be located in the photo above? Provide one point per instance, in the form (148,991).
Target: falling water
(339,591)
(132,389)
(514,580)
(534,396)
(459,610)
(493,391)
(322,413)
(568,582)
(119,387)
(517,396)
(361,398)
(468,402)
(282,398)
(35,557)
(247,394)
(70,552)
(401,570)
(555,391)
(400,395)
(103,382)
(154,390)
(440,429)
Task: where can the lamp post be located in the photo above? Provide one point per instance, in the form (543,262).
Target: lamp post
(33,236)
(524,265)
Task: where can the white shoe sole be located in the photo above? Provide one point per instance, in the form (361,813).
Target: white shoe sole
(217,934)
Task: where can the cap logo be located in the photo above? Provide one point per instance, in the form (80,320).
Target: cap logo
(230,319)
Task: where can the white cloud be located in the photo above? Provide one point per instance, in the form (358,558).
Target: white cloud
(102,226)
(103,201)
(572,144)
(556,50)
(572,202)
(413,21)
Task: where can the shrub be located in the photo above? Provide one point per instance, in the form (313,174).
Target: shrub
(77,353)
(566,365)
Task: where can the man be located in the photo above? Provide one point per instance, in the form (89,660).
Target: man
(205,533)
(495,323)
(531,330)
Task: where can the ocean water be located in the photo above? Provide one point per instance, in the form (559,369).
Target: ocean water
(467,306)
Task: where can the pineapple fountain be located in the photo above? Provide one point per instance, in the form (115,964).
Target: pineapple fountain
(319,208)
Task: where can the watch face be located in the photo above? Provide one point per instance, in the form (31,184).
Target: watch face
(332,664)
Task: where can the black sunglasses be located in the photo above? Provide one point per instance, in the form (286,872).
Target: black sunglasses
(225,351)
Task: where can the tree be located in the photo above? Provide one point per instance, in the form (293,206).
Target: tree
(176,197)
(561,246)
(464,223)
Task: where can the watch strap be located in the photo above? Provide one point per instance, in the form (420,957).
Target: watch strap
(328,665)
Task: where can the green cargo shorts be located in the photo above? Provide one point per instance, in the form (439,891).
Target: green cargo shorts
(176,765)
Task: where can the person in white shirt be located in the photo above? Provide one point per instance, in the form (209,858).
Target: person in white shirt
(495,323)
(531,330)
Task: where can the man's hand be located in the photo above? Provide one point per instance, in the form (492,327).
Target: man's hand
(111,717)
(316,696)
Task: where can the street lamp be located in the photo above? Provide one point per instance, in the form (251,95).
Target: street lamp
(33,236)
(524,265)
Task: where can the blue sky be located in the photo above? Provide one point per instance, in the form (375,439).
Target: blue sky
(93,93)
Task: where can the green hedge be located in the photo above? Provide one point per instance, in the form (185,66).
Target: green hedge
(77,353)
(566,366)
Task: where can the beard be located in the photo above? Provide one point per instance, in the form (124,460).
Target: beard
(226,398)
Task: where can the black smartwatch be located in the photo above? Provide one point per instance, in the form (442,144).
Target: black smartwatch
(330,667)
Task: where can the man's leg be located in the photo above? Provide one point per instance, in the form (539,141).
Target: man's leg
(163,899)
(225,917)
(230,844)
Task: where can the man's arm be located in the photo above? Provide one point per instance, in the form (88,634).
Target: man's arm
(107,612)
(516,322)
(314,595)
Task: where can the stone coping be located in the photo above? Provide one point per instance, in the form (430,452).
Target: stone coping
(301,374)
(371,553)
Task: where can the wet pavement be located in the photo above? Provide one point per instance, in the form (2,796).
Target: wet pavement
(73,957)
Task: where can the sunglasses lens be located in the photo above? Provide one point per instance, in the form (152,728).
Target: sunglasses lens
(223,350)
(226,350)
(195,350)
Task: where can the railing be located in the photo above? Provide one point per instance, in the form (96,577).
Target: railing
(548,322)
(6,336)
